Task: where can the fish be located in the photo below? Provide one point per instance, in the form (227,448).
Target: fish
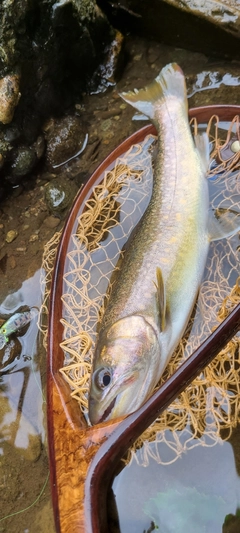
(156,287)
(14,324)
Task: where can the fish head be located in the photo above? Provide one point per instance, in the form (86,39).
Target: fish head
(125,369)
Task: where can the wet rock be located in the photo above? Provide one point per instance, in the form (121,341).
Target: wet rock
(110,70)
(207,26)
(24,161)
(59,194)
(9,97)
(225,14)
(11,236)
(5,147)
(57,47)
(64,138)
(39,146)
(11,133)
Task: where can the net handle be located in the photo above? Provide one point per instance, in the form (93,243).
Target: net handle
(102,468)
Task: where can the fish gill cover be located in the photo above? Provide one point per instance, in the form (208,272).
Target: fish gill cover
(211,403)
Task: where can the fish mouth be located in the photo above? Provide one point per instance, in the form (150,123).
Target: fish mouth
(108,411)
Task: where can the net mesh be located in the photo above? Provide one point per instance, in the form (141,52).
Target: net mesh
(208,410)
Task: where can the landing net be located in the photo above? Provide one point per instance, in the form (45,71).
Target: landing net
(208,410)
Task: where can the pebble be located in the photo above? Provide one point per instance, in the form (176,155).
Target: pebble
(106,125)
(107,114)
(51,222)
(21,249)
(108,134)
(33,238)
(115,96)
(152,55)
(11,236)
(137,57)
(12,262)
(9,97)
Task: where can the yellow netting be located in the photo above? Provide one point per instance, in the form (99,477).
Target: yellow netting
(211,403)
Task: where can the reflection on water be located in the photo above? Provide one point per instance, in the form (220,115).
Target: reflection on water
(22,425)
(212,80)
(21,421)
(193,494)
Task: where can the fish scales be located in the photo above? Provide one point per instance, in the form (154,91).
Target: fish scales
(156,286)
(163,231)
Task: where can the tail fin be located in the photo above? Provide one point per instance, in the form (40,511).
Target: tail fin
(170,81)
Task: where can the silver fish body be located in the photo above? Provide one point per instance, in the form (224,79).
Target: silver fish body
(157,284)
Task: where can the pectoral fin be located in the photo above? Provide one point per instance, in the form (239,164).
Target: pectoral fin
(161,298)
(223,223)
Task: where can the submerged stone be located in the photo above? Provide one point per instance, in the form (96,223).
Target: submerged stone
(59,194)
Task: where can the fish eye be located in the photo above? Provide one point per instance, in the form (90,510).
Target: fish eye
(102,378)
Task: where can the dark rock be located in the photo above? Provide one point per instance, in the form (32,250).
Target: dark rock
(5,147)
(211,27)
(64,139)
(49,52)
(24,161)
(109,71)
(56,45)
(11,133)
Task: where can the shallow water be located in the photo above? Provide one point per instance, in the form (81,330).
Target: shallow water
(24,465)
(197,491)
